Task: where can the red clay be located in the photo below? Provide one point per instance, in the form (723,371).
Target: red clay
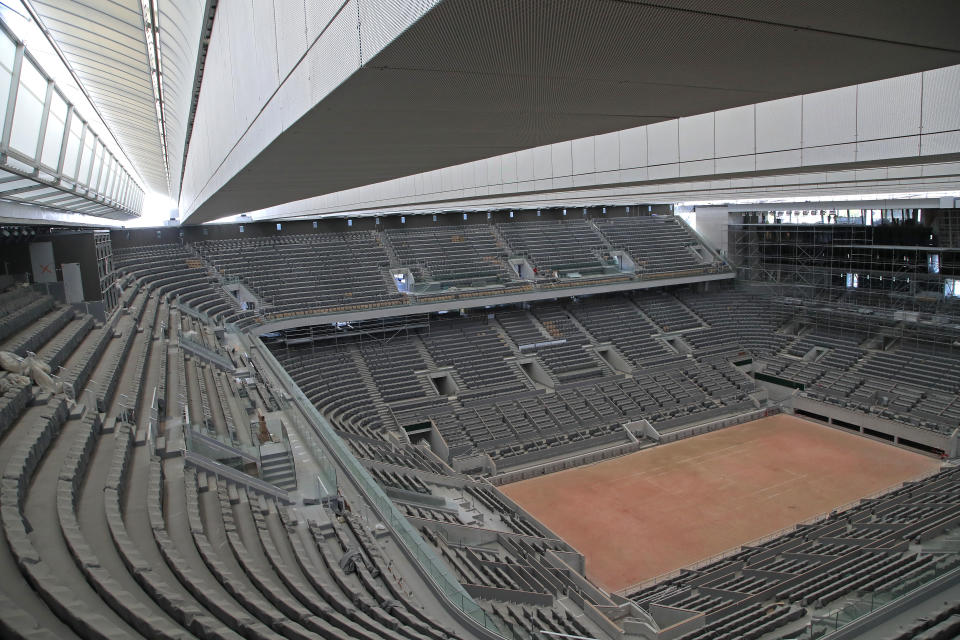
(648,513)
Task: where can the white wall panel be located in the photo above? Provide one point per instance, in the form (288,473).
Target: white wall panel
(696,137)
(335,56)
(892,148)
(494,173)
(607,151)
(290,23)
(663,171)
(542,163)
(634,174)
(936,143)
(736,164)
(561,159)
(467,179)
(830,154)
(778,160)
(830,117)
(248,94)
(779,125)
(524,165)
(633,147)
(449,179)
(508,168)
(889,108)
(480,178)
(941,100)
(734,132)
(585,179)
(584,160)
(697,168)
(662,146)
(318,13)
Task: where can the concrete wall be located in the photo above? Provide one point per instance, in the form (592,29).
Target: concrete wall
(858,133)
(896,430)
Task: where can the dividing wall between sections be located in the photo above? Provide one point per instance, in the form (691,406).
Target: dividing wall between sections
(922,440)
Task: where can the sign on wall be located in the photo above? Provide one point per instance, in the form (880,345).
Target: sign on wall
(41,259)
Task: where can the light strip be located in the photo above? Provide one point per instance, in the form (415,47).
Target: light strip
(151,32)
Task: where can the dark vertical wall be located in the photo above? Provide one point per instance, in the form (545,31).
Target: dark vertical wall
(78,246)
(68,246)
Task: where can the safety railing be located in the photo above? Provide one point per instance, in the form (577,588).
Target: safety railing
(424,554)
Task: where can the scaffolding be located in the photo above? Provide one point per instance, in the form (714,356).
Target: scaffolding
(378,330)
(894,282)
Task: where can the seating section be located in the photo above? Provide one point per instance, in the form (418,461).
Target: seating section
(368,387)
(618,321)
(307,273)
(555,246)
(668,313)
(109,532)
(116,524)
(873,552)
(476,351)
(327,272)
(736,323)
(449,254)
(657,244)
(176,273)
(571,360)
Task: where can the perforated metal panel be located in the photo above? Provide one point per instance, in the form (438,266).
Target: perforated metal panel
(607,152)
(662,143)
(561,159)
(889,108)
(696,137)
(941,100)
(461,80)
(584,155)
(734,131)
(633,147)
(830,117)
(778,125)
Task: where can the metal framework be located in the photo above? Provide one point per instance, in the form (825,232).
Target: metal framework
(105,270)
(380,330)
(890,277)
(49,155)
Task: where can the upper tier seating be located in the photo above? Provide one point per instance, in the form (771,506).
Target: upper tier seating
(656,244)
(448,253)
(308,273)
(173,271)
(556,246)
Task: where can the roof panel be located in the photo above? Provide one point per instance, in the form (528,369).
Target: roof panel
(104,43)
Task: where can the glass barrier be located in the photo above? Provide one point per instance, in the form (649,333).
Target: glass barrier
(425,554)
(859,606)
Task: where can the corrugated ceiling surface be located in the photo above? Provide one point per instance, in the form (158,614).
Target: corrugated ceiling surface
(181,22)
(104,43)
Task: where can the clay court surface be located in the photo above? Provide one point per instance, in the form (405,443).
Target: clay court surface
(650,512)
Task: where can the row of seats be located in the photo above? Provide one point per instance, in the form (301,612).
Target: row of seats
(876,549)
(366,386)
(352,270)
(449,254)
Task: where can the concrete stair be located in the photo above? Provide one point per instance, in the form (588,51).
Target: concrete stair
(277,468)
